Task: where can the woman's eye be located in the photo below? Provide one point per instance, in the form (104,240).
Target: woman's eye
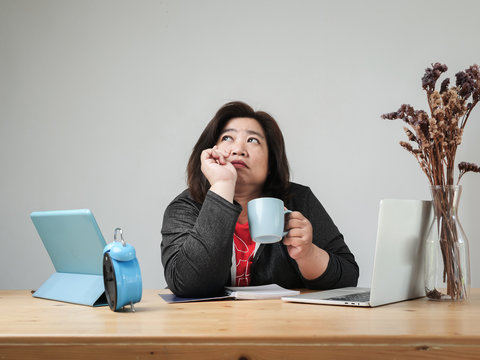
(226,138)
(253,140)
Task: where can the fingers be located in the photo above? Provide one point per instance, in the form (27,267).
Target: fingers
(296,238)
(299,230)
(296,215)
(220,156)
(297,223)
(299,239)
(296,233)
(297,220)
(295,241)
(215,155)
(220,152)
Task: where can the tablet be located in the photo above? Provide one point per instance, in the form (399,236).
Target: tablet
(75,245)
(72,239)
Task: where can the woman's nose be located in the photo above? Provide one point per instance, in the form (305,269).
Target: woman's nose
(238,149)
(239,152)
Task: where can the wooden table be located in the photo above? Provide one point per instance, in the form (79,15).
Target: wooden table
(33,328)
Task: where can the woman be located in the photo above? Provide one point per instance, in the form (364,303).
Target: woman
(206,244)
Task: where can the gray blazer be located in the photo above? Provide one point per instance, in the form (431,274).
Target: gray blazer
(197,241)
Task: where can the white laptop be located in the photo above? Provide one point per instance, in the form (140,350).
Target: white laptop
(398,272)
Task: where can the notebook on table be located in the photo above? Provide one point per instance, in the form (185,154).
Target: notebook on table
(398,272)
(260,292)
(75,245)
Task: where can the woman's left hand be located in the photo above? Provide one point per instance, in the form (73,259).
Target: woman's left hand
(299,237)
(312,261)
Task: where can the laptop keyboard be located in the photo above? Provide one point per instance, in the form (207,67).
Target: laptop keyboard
(362,297)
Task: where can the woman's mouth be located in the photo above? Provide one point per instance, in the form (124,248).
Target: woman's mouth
(239,164)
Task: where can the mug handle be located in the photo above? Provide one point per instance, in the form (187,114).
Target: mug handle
(285,212)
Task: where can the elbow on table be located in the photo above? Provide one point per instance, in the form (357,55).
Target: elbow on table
(194,291)
(194,288)
(342,273)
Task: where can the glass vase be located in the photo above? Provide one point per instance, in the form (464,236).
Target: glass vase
(447,265)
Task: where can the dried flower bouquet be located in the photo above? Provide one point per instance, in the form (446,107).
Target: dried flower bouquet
(433,141)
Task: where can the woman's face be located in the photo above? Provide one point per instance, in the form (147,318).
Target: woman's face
(245,140)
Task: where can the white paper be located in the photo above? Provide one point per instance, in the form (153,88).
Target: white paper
(272,291)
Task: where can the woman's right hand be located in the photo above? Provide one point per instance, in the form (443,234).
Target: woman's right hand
(220,172)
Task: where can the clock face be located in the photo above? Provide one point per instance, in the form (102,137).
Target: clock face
(110,281)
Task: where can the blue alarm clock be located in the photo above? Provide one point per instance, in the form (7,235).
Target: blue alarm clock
(121,274)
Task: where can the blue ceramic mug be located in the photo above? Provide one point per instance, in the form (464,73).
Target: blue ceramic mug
(266,220)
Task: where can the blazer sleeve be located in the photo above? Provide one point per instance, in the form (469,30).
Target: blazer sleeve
(342,269)
(197,244)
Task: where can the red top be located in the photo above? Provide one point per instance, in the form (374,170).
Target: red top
(244,247)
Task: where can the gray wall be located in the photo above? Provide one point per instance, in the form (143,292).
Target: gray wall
(102,101)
